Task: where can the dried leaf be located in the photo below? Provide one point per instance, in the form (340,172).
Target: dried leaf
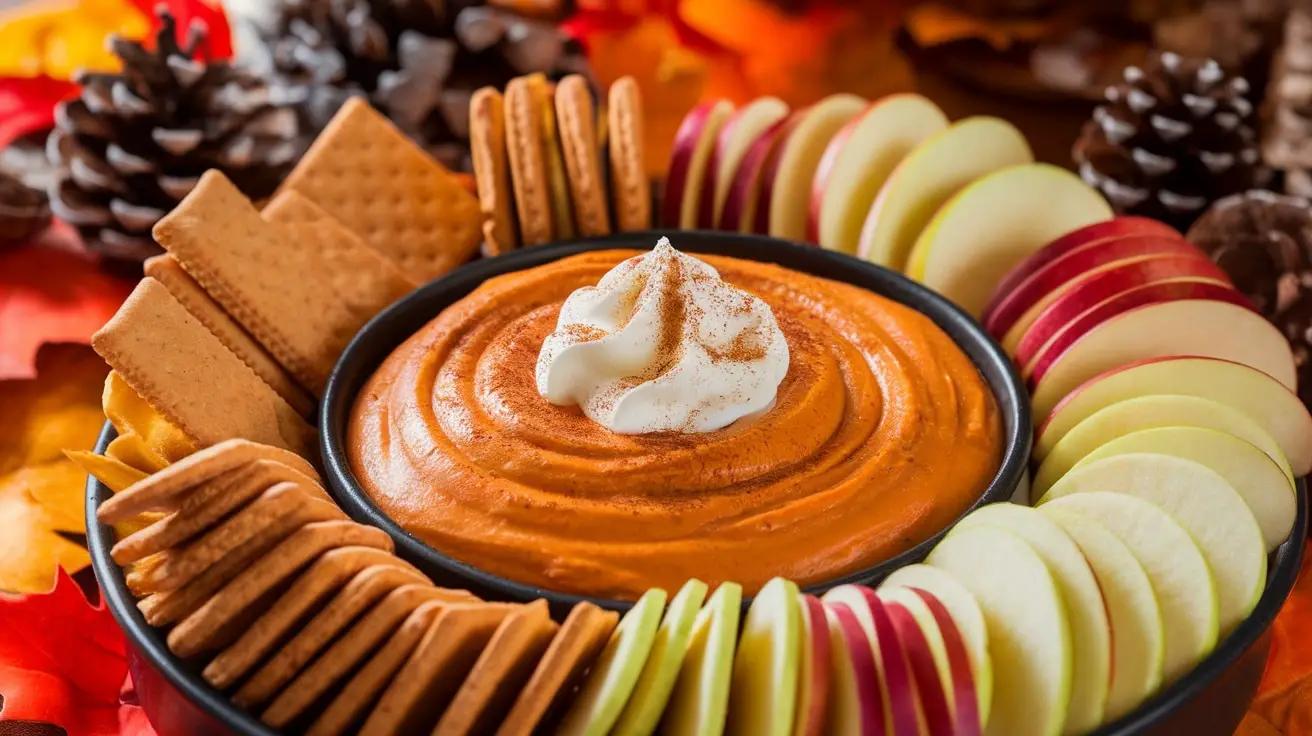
(113,472)
(146,440)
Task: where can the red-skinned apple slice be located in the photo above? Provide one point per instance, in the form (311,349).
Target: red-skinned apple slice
(1075,265)
(856,707)
(929,686)
(1191,327)
(759,223)
(737,134)
(743,197)
(813,676)
(1044,350)
(786,188)
(1115,228)
(962,695)
(899,689)
(858,161)
(692,146)
(1104,282)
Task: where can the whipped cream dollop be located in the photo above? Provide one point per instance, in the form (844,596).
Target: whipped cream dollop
(663,344)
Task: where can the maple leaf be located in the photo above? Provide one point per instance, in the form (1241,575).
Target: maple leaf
(210,16)
(27,104)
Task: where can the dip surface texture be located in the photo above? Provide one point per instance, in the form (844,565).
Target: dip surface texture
(882,433)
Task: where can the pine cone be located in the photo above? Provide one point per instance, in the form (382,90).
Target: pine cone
(136,142)
(24,212)
(418,61)
(1171,139)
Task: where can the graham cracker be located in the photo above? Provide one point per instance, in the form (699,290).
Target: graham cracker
(500,672)
(487,148)
(628,167)
(363,591)
(296,279)
(388,191)
(422,690)
(528,163)
(179,367)
(167,271)
(576,123)
(570,654)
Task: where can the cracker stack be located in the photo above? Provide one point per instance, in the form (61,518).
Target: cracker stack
(550,166)
(311,622)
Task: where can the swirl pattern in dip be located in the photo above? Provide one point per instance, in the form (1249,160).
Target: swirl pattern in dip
(882,433)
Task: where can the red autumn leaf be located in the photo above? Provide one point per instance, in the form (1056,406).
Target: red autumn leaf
(210,16)
(50,296)
(28,105)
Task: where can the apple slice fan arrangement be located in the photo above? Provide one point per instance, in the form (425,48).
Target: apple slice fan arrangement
(607,429)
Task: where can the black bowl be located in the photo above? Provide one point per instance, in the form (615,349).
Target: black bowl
(397,323)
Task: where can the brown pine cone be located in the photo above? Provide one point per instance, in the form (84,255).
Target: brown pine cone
(24,212)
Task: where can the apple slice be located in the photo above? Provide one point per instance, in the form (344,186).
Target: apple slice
(744,195)
(763,694)
(1093,287)
(1276,408)
(1193,327)
(1175,566)
(656,681)
(994,223)
(615,673)
(951,659)
(965,613)
(929,176)
(1151,412)
(700,701)
(1090,633)
(856,706)
(1138,639)
(737,134)
(786,185)
(898,689)
(1029,633)
(858,161)
(692,147)
(931,690)
(1208,507)
(1115,228)
(1269,495)
(813,678)
(1075,264)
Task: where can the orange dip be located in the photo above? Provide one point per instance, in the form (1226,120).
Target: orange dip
(882,434)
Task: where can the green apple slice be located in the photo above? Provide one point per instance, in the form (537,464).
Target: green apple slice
(951,658)
(763,696)
(1264,488)
(1180,577)
(615,673)
(656,681)
(1151,412)
(813,676)
(1209,509)
(966,614)
(1138,639)
(1029,632)
(1090,632)
(700,701)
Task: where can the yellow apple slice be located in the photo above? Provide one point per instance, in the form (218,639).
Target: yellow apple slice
(1029,632)
(655,683)
(937,169)
(859,159)
(1261,397)
(996,222)
(1151,412)
(813,672)
(1185,589)
(700,701)
(1268,494)
(1208,507)
(1193,327)
(785,194)
(737,134)
(1138,639)
(951,656)
(1090,632)
(965,613)
(692,147)
(763,696)
(616,671)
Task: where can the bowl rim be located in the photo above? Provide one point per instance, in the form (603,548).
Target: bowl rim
(366,351)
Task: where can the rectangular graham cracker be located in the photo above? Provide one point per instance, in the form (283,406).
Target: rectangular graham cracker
(296,279)
(389,192)
(184,288)
(168,357)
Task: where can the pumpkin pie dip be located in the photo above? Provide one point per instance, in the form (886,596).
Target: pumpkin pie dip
(619,420)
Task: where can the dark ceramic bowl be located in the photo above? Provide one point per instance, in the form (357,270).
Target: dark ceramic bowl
(397,323)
